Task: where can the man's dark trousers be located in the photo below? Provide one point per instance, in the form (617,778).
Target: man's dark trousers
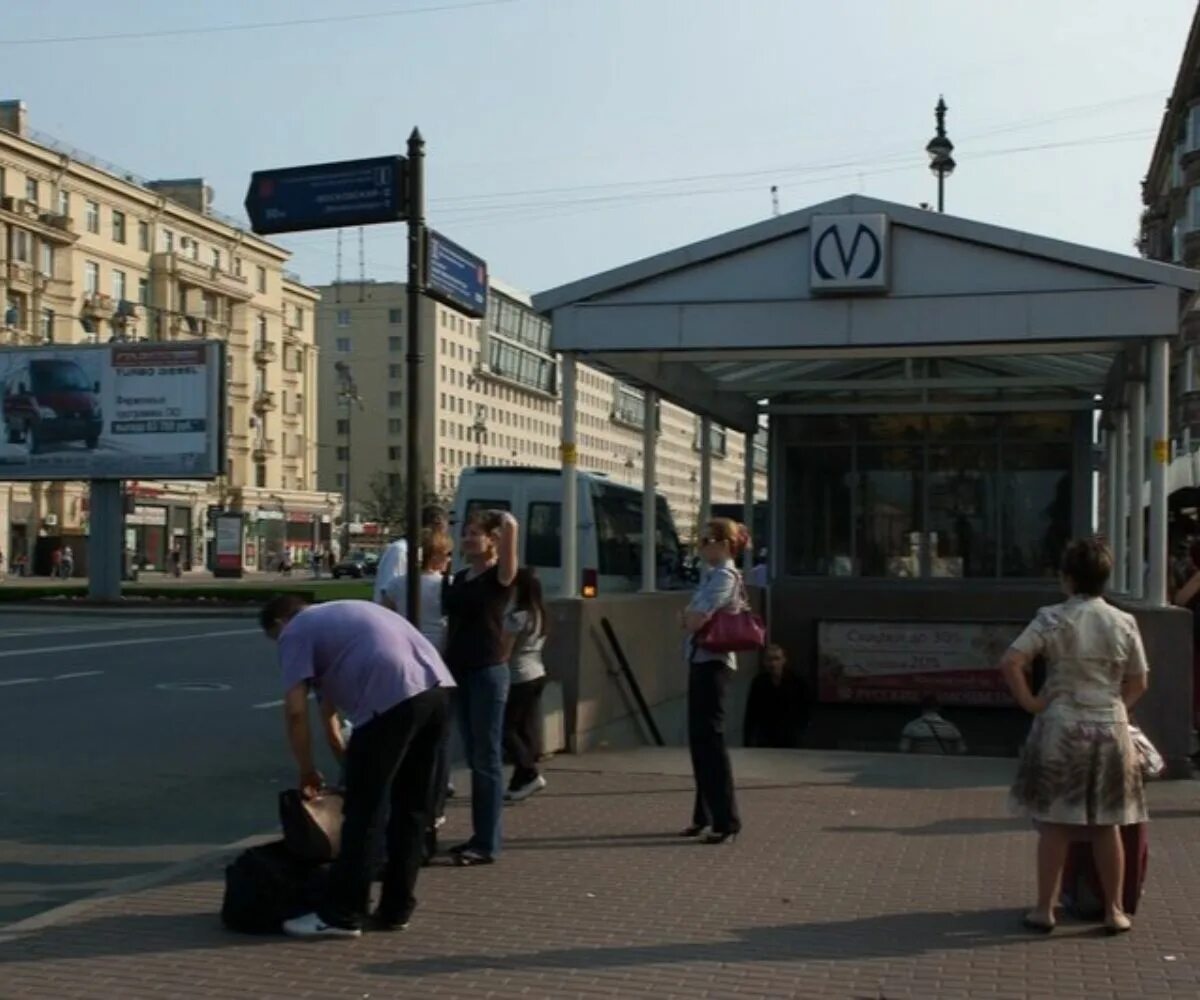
(393,755)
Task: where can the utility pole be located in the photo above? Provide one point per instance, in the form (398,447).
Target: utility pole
(416,289)
(348,394)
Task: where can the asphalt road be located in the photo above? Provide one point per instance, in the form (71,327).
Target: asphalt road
(130,742)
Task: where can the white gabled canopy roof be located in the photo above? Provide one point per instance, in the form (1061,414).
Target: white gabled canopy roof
(972,309)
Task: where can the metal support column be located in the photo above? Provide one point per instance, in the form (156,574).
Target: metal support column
(748,501)
(412,439)
(106,542)
(705,512)
(1121,505)
(1160,457)
(570,481)
(649,467)
(1136,579)
(1189,385)
(1111,473)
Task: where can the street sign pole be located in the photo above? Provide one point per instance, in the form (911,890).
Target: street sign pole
(416,277)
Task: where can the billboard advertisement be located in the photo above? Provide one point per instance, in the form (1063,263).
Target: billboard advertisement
(113,411)
(900,662)
(230,531)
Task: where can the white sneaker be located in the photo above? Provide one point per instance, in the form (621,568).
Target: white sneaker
(312,926)
(439,822)
(526,790)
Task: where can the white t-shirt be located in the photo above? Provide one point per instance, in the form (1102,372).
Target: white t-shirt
(393,564)
(433,622)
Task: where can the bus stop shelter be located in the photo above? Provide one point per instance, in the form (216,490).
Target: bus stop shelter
(941,398)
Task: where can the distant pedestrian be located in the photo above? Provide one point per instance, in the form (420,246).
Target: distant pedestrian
(2,571)
(68,562)
(390,683)
(316,564)
(930,733)
(525,625)
(777,706)
(715,814)
(56,563)
(477,655)
(176,562)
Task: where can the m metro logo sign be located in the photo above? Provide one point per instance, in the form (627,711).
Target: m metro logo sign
(849,253)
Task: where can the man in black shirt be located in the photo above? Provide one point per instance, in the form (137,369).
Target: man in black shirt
(777,709)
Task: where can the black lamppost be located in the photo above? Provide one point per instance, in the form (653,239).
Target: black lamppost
(939,149)
(348,394)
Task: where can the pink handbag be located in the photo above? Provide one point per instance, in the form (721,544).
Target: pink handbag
(739,631)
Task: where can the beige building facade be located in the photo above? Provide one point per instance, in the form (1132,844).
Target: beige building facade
(490,396)
(90,255)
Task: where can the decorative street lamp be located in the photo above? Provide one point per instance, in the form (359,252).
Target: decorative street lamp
(939,149)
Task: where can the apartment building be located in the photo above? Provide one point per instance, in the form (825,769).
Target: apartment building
(489,396)
(93,254)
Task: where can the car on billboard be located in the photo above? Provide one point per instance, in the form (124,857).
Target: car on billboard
(51,400)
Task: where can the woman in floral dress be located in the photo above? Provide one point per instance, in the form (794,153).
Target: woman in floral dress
(1078,777)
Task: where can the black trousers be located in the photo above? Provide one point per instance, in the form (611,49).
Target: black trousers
(715,803)
(392,757)
(523,729)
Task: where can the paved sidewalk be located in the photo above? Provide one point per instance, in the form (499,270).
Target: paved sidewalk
(857,876)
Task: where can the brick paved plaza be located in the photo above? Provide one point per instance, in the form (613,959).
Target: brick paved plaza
(857,876)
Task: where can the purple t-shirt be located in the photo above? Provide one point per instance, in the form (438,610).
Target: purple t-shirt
(360,657)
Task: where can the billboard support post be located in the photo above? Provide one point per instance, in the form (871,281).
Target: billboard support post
(416,278)
(106,543)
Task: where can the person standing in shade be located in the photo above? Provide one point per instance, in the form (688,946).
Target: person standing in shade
(715,815)
(68,562)
(477,654)
(930,733)
(525,624)
(777,706)
(374,668)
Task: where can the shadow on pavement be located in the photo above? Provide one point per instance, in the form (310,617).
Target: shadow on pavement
(891,936)
(944,827)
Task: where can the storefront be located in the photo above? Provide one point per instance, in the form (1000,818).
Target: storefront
(930,389)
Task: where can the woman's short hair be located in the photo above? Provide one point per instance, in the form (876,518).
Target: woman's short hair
(726,529)
(1088,563)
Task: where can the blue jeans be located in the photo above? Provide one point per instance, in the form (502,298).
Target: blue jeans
(481,697)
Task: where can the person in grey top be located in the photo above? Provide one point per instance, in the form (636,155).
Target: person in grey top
(709,673)
(525,627)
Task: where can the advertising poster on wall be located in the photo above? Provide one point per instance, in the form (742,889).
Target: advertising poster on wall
(228,534)
(901,662)
(116,411)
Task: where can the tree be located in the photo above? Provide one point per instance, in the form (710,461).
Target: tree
(384,502)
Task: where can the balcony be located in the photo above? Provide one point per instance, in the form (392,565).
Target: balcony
(97,305)
(23,276)
(264,401)
(200,275)
(50,226)
(263,449)
(264,352)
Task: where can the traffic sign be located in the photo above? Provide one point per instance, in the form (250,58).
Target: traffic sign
(454,276)
(328,195)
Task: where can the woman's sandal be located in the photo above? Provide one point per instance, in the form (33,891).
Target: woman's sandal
(1032,923)
(1122,925)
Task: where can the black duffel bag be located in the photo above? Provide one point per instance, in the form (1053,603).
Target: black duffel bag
(312,828)
(266,885)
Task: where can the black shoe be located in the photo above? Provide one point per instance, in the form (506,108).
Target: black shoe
(471,857)
(695,830)
(386,923)
(717,837)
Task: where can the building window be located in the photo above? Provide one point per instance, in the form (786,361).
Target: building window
(261,276)
(395,425)
(395,371)
(21,244)
(237,266)
(64,203)
(92,217)
(395,400)
(343,345)
(260,476)
(118,226)
(91,277)
(341,480)
(144,291)
(47,325)
(144,236)
(394,344)
(118,286)
(395,317)
(194,248)
(31,190)
(262,329)
(216,258)
(47,261)
(343,452)
(395,453)
(343,318)
(343,426)
(168,241)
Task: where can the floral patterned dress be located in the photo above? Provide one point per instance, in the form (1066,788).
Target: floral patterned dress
(1078,765)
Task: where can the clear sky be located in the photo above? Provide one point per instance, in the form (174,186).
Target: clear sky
(568,136)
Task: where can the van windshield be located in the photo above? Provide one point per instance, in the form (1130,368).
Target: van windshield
(58,376)
(619,536)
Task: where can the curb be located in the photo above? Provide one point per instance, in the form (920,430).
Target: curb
(127,886)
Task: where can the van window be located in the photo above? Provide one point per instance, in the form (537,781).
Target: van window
(543,535)
(619,535)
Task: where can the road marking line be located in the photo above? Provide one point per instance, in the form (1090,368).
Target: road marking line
(78,673)
(22,680)
(114,626)
(125,642)
(269,704)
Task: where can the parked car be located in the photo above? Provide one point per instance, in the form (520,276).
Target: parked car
(357,564)
(48,400)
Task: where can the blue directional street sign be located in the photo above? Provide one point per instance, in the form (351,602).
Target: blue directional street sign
(327,195)
(454,276)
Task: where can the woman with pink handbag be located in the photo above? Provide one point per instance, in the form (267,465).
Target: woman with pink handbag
(719,623)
